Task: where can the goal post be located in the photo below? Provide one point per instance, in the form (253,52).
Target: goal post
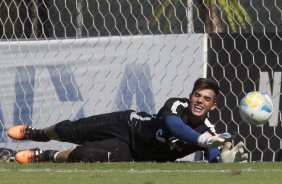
(71,59)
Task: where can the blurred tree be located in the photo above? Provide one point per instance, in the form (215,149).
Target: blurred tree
(35,18)
(224,16)
(215,15)
(10,24)
(43,19)
(167,15)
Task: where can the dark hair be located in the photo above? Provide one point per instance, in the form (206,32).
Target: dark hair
(205,83)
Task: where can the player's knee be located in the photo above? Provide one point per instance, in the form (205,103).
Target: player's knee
(98,154)
(81,154)
(65,131)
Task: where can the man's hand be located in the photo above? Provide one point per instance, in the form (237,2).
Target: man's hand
(207,140)
(236,154)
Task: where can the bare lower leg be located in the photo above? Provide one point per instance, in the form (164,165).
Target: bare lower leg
(51,133)
(62,156)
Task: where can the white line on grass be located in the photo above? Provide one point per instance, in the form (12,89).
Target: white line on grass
(141,171)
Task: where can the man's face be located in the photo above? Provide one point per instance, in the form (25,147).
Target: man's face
(201,102)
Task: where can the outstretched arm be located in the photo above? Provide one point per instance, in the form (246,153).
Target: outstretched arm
(180,130)
(184,132)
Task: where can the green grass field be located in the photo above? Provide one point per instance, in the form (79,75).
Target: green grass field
(143,173)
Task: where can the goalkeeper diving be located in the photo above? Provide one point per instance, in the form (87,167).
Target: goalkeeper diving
(181,127)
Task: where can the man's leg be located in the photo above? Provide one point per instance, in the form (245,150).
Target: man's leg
(62,156)
(109,150)
(51,133)
(24,132)
(37,155)
(98,127)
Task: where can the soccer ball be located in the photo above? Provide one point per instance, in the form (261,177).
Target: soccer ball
(256,108)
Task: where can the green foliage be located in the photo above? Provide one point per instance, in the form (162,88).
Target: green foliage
(163,16)
(235,13)
(167,14)
(215,12)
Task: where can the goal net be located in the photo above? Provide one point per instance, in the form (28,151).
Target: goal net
(71,59)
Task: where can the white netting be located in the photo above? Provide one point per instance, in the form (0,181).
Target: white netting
(69,59)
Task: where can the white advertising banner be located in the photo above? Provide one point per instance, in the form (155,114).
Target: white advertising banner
(47,81)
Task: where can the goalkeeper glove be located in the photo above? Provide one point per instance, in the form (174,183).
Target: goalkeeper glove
(207,140)
(236,154)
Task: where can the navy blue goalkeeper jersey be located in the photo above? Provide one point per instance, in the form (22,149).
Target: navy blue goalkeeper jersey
(152,139)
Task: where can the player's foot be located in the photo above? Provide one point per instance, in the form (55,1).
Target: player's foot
(18,132)
(35,155)
(24,132)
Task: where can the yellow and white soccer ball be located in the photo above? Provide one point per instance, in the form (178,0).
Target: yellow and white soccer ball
(256,108)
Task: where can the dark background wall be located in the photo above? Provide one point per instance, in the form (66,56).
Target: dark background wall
(236,61)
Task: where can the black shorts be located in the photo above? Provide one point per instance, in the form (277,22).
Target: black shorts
(109,150)
(96,128)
